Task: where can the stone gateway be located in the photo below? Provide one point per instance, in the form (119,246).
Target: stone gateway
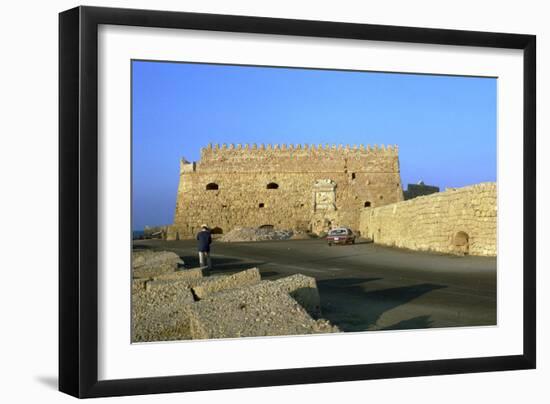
(307,188)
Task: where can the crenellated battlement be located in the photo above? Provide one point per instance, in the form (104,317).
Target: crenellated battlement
(229,150)
(294,158)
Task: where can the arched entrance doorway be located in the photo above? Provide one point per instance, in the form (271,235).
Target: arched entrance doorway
(216,230)
(461,242)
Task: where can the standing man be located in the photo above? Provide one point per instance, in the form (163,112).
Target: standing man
(205,239)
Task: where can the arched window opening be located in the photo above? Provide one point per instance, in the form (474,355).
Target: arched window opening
(272,185)
(261,205)
(212,186)
(267,226)
(367,204)
(352,176)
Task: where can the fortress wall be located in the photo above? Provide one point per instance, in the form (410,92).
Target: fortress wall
(438,222)
(290,158)
(242,176)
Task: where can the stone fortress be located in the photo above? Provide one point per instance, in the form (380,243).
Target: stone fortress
(307,188)
(315,188)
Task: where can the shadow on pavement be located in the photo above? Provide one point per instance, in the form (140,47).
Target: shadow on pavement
(271,274)
(347,303)
(342,283)
(411,323)
(140,247)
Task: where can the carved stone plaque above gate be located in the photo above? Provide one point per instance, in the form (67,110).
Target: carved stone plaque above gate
(324,195)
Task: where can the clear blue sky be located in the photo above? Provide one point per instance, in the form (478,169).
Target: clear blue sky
(445,126)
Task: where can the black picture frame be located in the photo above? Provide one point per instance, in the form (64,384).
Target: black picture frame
(78,201)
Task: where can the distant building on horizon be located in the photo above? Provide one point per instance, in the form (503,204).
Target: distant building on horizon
(419,189)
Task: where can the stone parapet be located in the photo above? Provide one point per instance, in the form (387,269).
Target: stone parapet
(457,221)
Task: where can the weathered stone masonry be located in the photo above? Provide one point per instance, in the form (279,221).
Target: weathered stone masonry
(462,220)
(293,187)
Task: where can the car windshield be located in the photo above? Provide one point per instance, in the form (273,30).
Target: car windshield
(338,232)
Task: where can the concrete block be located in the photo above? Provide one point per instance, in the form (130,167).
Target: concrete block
(158,313)
(147,263)
(304,290)
(192,274)
(138,284)
(216,284)
(252,311)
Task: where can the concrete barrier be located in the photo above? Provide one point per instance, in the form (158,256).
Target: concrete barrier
(216,284)
(138,284)
(158,313)
(181,275)
(304,290)
(146,263)
(257,310)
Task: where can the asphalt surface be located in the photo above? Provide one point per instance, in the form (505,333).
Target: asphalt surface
(366,286)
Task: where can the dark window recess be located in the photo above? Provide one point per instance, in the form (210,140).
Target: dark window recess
(261,205)
(367,204)
(272,185)
(212,186)
(352,176)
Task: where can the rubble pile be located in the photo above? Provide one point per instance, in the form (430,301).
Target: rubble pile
(301,235)
(255,234)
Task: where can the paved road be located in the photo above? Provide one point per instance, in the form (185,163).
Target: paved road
(365,286)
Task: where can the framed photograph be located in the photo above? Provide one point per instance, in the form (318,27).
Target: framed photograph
(249,201)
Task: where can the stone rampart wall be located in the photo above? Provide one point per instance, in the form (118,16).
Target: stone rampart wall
(247,187)
(462,220)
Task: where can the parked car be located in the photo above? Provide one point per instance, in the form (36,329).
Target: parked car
(340,235)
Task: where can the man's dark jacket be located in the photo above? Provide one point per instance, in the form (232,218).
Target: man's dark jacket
(204,239)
